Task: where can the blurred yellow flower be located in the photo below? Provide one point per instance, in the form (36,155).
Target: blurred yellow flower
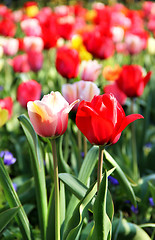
(3,116)
(77,43)
(90,15)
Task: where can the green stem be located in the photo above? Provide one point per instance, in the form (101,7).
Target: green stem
(134,146)
(100,163)
(85,145)
(56,184)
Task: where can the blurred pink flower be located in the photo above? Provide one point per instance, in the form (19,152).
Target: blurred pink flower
(90,70)
(82,90)
(33,43)
(31,27)
(10,46)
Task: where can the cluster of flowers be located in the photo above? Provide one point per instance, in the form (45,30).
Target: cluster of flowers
(79,35)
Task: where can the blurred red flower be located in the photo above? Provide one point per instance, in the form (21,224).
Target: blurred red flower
(28,91)
(7,27)
(7,103)
(103,119)
(35,60)
(67,62)
(131,80)
(98,44)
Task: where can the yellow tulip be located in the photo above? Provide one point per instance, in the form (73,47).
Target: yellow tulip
(3,116)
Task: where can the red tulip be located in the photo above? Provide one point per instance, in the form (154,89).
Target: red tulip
(20,63)
(35,60)
(7,103)
(103,119)
(67,62)
(7,27)
(28,91)
(118,93)
(131,80)
(99,44)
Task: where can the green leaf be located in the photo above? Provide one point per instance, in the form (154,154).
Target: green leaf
(38,171)
(76,186)
(62,206)
(129,231)
(7,216)
(86,231)
(109,163)
(147,225)
(13,201)
(102,229)
(76,221)
(85,171)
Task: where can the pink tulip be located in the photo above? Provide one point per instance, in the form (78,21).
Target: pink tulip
(31,27)
(90,70)
(33,43)
(82,90)
(10,46)
(49,116)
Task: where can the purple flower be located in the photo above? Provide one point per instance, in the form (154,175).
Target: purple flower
(113,180)
(134,209)
(151,202)
(15,186)
(82,154)
(1,88)
(7,157)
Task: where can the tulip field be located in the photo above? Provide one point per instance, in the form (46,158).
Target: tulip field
(77,121)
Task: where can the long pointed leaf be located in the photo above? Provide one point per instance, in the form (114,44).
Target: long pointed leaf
(76,221)
(7,216)
(103,224)
(13,201)
(38,171)
(86,169)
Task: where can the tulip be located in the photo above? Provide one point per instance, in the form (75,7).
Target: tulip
(11,46)
(90,70)
(7,27)
(3,116)
(20,63)
(98,44)
(7,103)
(111,73)
(82,90)
(28,91)
(131,80)
(31,27)
(103,119)
(35,60)
(118,93)
(67,62)
(31,8)
(49,116)
(134,44)
(33,43)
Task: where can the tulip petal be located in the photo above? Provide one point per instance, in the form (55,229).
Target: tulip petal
(96,129)
(126,121)
(147,78)
(3,116)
